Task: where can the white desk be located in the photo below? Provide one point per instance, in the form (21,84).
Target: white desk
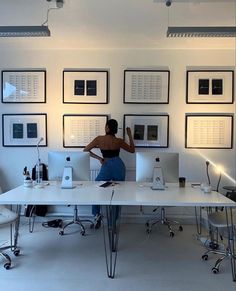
(85,193)
(123,193)
(133,193)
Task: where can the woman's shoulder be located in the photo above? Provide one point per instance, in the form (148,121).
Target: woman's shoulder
(100,138)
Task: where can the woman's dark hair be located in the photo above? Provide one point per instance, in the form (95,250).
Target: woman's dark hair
(112,125)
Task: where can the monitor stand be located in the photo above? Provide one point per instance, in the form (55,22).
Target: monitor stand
(67,178)
(158,181)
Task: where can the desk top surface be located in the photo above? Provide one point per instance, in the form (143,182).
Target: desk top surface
(123,193)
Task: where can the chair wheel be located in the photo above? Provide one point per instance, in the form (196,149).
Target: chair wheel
(148,230)
(16,252)
(7,266)
(181,228)
(205,257)
(61,232)
(215,270)
(82,232)
(172,234)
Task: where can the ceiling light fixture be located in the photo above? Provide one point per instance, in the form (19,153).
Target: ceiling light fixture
(198,31)
(30,31)
(201,31)
(24,31)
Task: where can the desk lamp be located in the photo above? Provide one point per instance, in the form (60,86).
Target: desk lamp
(219,170)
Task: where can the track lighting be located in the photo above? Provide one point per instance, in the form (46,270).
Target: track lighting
(30,31)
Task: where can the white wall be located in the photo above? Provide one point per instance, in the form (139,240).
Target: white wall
(192,164)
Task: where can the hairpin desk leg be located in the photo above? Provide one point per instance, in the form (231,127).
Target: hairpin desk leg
(14,243)
(198,220)
(231,238)
(111,237)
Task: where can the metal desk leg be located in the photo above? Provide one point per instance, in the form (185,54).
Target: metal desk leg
(198,221)
(231,242)
(111,236)
(32,218)
(14,243)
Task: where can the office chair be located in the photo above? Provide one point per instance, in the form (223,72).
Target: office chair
(157,167)
(8,217)
(218,228)
(78,221)
(163,220)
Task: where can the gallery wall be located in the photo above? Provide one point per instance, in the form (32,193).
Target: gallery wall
(192,162)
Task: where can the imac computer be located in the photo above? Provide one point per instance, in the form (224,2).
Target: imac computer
(157,168)
(68,167)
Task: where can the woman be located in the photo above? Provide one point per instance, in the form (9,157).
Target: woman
(113,168)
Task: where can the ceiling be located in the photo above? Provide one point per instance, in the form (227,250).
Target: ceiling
(120,24)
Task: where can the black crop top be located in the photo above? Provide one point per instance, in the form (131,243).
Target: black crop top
(110,153)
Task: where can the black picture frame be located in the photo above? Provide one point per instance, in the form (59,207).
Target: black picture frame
(149,130)
(23,86)
(85,86)
(209,131)
(146,86)
(24,129)
(81,129)
(210,87)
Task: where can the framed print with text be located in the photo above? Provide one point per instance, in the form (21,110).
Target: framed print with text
(146,86)
(23,86)
(213,131)
(148,130)
(24,130)
(80,130)
(85,87)
(210,87)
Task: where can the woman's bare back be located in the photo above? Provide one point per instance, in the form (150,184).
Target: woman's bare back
(108,142)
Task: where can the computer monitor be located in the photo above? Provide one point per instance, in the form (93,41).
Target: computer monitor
(78,161)
(168,162)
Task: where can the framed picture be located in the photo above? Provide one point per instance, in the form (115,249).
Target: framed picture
(79,130)
(85,87)
(146,86)
(210,87)
(23,86)
(214,131)
(148,130)
(24,130)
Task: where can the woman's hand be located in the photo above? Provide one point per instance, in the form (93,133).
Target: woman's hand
(128,131)
(102,161)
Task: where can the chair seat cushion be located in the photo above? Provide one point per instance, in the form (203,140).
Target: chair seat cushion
(6,215)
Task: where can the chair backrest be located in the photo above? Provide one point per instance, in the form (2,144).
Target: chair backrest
(6,215)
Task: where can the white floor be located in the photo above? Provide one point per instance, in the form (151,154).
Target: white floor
(49,262)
